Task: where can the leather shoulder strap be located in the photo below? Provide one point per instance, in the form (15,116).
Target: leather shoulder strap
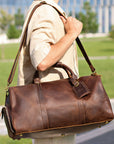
(23,39)
(11,76)
(80,45)
(85,55)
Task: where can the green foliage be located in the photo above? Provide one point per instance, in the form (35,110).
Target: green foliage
(5,20)
(19,19)
(13,32)
(88,19)
(111,34)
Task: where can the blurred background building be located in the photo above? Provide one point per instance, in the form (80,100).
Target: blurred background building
(103,8)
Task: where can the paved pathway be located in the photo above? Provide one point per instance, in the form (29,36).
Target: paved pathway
(5,40)
(3,130)
(80,58)
(98,57)
(103,135)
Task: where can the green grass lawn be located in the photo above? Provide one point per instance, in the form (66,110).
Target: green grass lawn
(5,68)
(10,50)
(105,68)
(98,46)
(7,140)
(93,46)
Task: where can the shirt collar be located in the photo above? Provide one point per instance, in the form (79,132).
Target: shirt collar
(54,4)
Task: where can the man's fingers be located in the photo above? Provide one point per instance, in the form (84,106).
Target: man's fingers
(63,19)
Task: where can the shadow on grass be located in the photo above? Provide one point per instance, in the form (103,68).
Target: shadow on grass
(108,50)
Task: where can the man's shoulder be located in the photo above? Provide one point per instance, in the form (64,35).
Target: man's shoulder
(47,9)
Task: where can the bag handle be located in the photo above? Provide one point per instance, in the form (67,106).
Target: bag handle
(23,40)
(68,70)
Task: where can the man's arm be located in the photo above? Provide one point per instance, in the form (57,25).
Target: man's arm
(73,28)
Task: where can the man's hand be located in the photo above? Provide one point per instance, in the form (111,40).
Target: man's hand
(72,26)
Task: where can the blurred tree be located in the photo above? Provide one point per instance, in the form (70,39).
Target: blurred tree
(88,19)
(111,34)
(5,20)
(13,32)
(19,19)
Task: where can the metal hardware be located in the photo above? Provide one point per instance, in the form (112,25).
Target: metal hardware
(62,135)
(21,135)
(76,83)
(106,122)
(6,89)
(7,93)
(95,74)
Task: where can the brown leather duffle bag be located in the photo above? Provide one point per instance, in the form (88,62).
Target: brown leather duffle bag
(64,106)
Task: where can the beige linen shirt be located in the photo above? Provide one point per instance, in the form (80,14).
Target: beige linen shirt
(45,28)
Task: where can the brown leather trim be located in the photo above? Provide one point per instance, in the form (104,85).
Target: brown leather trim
(43,108)
(67,127)
(7,120)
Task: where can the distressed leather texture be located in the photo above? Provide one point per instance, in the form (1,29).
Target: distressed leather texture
(57,106)
(63,107)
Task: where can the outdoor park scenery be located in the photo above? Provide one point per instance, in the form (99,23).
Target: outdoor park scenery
(100,50)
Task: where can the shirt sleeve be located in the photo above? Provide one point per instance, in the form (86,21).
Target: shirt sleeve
(43,33)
